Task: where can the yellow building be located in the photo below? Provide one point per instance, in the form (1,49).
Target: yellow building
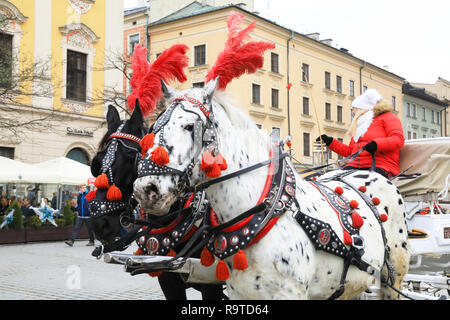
(324,79)
(59,75)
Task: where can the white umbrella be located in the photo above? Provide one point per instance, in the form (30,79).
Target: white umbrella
(14,171)
(69,172)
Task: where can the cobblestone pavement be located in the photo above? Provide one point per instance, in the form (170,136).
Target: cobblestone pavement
(55,271)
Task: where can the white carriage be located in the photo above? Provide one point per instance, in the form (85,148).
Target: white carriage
(427,203)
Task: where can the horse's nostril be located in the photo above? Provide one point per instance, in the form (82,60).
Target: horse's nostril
(151,188)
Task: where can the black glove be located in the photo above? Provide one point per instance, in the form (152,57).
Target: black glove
(328,140)
(371,147)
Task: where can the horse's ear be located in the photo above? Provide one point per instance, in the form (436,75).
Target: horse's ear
(137,119)
(210,89)
(168,92)
(112,117)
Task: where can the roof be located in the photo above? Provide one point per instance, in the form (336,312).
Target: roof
(421,93)
(195,8)
(134,10)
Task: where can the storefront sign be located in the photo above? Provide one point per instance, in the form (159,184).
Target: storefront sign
(79,132)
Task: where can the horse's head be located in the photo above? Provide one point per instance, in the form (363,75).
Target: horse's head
(115,168)
(180,136)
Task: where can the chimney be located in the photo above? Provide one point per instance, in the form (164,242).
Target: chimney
(328,42)
(314,35)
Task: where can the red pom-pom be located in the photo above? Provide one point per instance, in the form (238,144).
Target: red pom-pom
(138,252)
(222,272)
(114,193)
(289,143)
(155,274)
(362,189)
(91,195)
(354,204)
(171,253)
(101,182)
(160,156)
(208,161)
(383,217)
(206,258)
(314,178)
(347,238)
(214,172)
(220,160)
(240,260)
(339,190)
(357,220)
(375,201)
(147,142)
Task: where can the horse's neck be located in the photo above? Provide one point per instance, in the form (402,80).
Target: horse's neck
(240,149)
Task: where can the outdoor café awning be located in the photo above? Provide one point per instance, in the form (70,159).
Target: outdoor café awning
(14,171)
(68,171)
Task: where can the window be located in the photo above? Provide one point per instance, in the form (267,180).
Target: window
(274,63)
(76,76)
(432,116)
(200,55)
(438,117)
(339,114)
(256,91)
(275,94)
(198,84)
(79,155)
(409,135)
(352,88)
(7,152)
(305,105)
(408,109)
(305,72)
(414,135)
(306,144)
(339,84)
(413,109)
(327,111)
(133,40)
(327,80)
(276,132)
(364,89)
(394,102)
(5,60)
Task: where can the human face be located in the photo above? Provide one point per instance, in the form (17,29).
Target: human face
(83,189)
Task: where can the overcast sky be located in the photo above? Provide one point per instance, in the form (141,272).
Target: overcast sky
(411,37)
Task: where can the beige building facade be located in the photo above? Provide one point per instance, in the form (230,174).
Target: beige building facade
(305,87)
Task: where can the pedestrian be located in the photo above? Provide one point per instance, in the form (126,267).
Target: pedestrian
(83,216)
(26,208)
(4,205)
(54,201)
(376,130)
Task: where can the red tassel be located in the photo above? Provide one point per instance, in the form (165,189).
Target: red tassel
(155,274)
(147,142)
(375,201)
(220,160)
(206,258)
(101,182)
(339,190)
(240,260)
(114,193)
(160,156)
(138,252)
(91,195)
(171,253)
(362,189)
(347,238)
(222,272)
(383,217)
(354,204)
(357,220)
(214,172)
(208,161)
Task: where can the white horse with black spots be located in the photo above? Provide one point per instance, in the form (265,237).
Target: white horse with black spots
(284,264)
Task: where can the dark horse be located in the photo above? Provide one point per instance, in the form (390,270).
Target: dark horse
(117,159)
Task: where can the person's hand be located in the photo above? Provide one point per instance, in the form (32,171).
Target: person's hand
(371,147)
(328,140)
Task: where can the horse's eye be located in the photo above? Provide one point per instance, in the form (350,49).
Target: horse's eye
(188,127)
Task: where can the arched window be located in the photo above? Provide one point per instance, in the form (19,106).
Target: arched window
(79,155)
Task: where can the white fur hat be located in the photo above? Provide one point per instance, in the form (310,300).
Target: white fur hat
(367,100)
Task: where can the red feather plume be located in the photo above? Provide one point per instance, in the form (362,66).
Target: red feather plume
(146,79)
(238,57)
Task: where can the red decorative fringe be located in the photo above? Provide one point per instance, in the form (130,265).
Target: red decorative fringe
(91,195)
(354,204)
(206,258)
(238,57)
(160,156)
(155,274)
(208,161)
(138,252)
(171,253)
(222,272)
(357,220)
(347,238)
(114,193)
(220,160)
(147,142)
(101,182)
(240,260)
(214,172)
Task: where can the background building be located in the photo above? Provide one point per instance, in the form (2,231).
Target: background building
(305,87)
(60,76)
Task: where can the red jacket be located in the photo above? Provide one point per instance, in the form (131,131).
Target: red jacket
(386,130)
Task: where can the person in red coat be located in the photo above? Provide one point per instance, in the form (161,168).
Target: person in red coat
(376,130)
